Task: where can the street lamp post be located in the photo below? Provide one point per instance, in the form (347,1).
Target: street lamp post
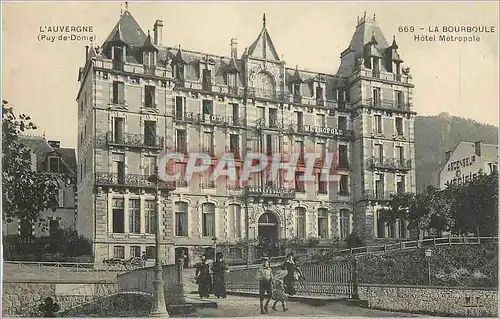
(159,307)
(428,254)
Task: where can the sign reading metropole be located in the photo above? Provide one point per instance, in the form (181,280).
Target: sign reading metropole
(275,168)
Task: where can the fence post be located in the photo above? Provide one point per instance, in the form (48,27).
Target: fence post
(354,274)
(434,241)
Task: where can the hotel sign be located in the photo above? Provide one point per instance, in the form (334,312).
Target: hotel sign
(208,118)
(464,162)
(271,191)
(326,130)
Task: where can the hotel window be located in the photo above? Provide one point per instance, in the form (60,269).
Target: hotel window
(150,133)
(151,252)
(296,89)
(236,114)
(399,126)
(149,165)
(134,216)
(319,93)
(118,216)
(340,95)
(118,168)
(379,185)
(208,220)
(181,141)
(207,181)
(344,185)
(299,182)
(378,123)
(381,224)
(231,80)
(379,152)
(322,184)
(269,144)
(207,109)
(119,252)
(322,152)
(376,96)
(300,222)
(234,145)
(150,216)
(234,223)
(400,185)
(273,118)
(261,115)
(299,151)
(322,223)
(400,153)
(208,143)
(181,170)
(399,99)
(300,121)
(118,130)
(181,219)
(149,96)
(179,107)
(343,157)
(320,120)
(118,93)
(179,74)
(345,223)
(53,164)
(135,251)
(342,122)
(207,80)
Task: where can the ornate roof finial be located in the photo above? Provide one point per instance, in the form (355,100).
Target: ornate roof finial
(121,9)
(374,17)
(126,5)
(264,20)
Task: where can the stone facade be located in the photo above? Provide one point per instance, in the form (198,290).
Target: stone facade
(134,87)
(454,301)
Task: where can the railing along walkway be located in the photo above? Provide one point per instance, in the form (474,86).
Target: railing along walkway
(414,244)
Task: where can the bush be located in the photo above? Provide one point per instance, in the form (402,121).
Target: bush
(354,241)
(461,265)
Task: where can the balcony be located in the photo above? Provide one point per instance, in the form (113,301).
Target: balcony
(270,192)
(390,163)
(135,140)
(128,180)
(377,195)
(266,94)
(387,104)
(149,69)
(208,150)
(320,102)
(376,74)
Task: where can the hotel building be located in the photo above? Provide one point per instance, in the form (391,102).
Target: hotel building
(138,97)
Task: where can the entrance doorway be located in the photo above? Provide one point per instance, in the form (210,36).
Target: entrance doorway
(268,234)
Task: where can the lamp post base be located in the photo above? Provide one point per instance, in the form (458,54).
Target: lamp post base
(159,307)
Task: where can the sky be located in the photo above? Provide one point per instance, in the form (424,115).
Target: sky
(39,78)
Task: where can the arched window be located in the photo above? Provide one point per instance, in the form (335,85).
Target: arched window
(268,218)
(264,85)
(181,219)
(300,222)
(345,223)
(234,221)
(208,219)
(323,223)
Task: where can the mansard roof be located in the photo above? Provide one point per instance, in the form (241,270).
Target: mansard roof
(263,47)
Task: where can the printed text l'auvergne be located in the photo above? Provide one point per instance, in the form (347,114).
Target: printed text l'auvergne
(66,28)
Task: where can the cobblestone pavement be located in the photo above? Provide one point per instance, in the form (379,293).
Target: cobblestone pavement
(235,306)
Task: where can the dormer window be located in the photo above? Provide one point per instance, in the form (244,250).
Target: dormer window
(231,80)
(179,72)
(296,89)
(53,164)
(340,95)
(118,58)
(319,93)
(207,80)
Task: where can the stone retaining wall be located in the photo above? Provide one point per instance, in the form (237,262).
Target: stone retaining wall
(455,301)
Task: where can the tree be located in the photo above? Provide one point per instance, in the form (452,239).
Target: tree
(25,193)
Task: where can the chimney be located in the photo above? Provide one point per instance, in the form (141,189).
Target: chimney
(448,155)
(234,48)
(54,144)
(86,52)
(477,148)
(157,32)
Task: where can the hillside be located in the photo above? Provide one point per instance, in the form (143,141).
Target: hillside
(434,135)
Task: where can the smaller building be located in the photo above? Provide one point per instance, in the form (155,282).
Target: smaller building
(467,161)
(50,158)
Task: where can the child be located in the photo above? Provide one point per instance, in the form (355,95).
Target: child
(265,278)
(279,290)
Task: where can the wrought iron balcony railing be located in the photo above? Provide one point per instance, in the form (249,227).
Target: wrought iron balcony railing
(129,180)
(270,192)
(386,104)
(377,195)
(390,163)
(135,140)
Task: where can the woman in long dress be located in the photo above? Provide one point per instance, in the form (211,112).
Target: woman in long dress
(293,274)
(203,278)
(219,270)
